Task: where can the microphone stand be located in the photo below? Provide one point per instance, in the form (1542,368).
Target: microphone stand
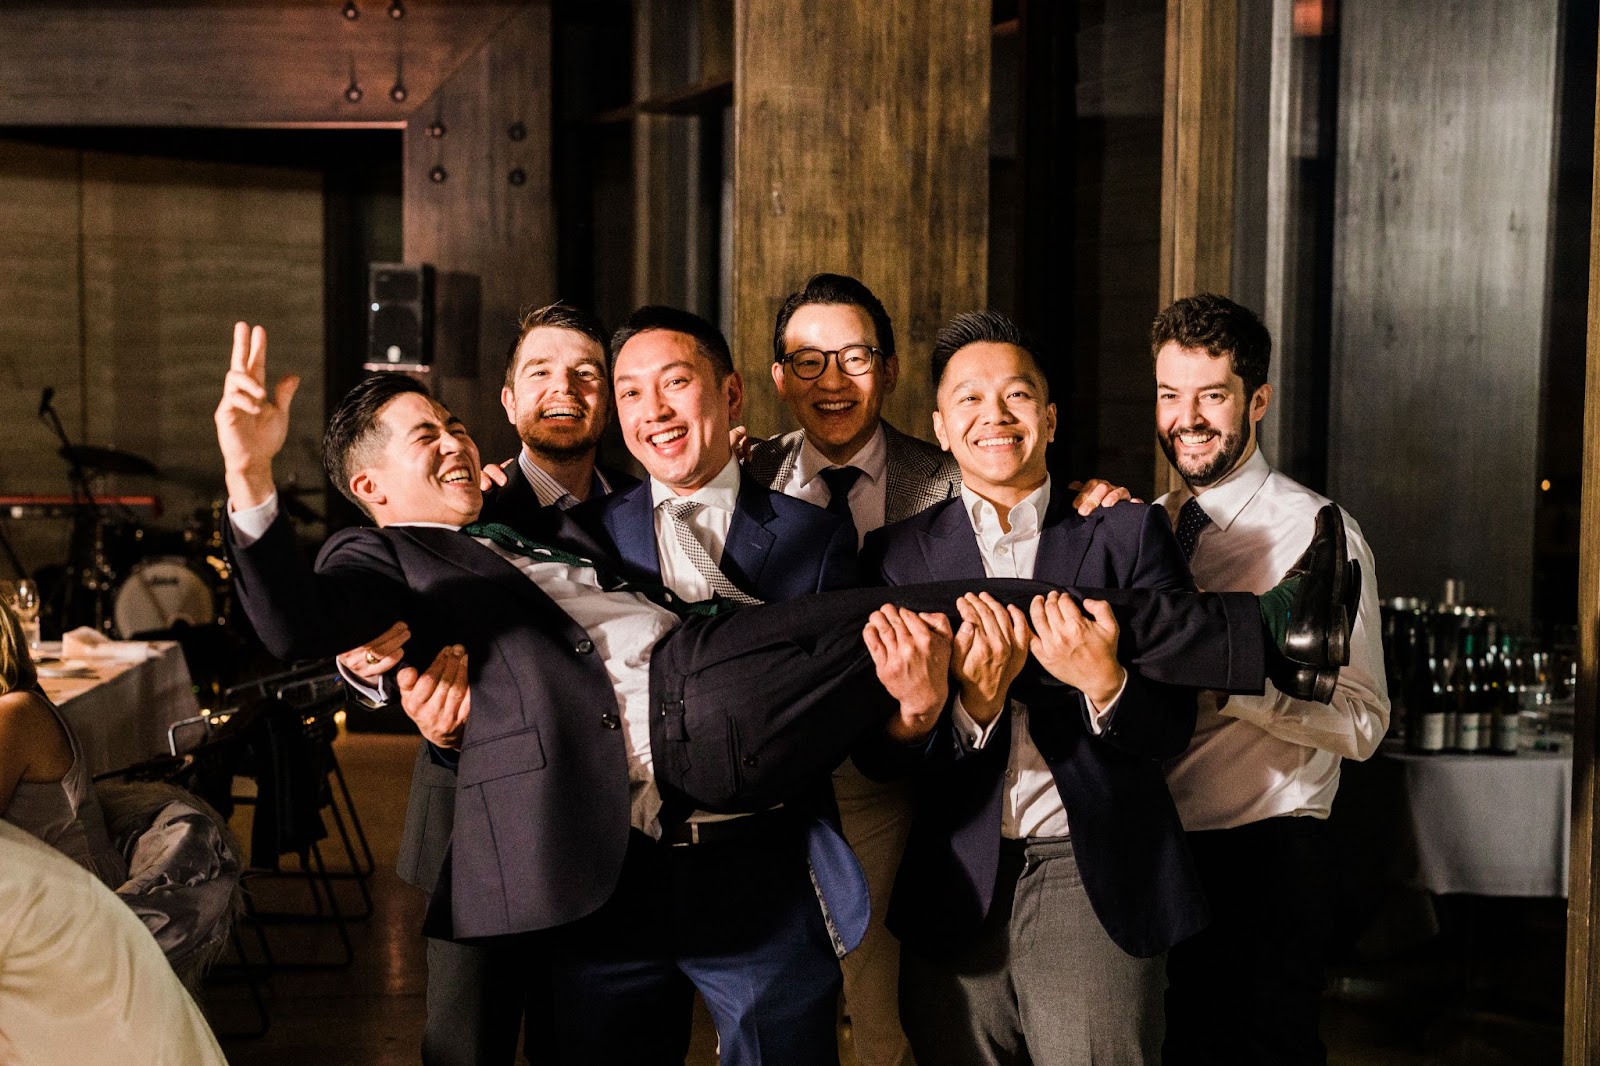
(94,576)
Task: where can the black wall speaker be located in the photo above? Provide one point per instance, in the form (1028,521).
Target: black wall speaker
(399,317)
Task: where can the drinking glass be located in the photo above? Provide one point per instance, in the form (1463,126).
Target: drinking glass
(25,601)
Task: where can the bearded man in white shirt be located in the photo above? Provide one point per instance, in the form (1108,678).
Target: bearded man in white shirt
(1257,783)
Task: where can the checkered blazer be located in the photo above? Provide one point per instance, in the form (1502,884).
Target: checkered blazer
(919,474)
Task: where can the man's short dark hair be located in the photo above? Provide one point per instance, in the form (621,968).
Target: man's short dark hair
(838,290)
(707,338)
(978,327)
(354,431)
(559,315)
(1220,327)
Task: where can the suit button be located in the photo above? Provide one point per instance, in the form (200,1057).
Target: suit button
(610,721)
(583,647)
(751,761)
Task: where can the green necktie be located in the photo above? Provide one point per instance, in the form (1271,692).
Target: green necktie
(504,536)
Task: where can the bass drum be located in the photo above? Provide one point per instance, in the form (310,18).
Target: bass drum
(159,593)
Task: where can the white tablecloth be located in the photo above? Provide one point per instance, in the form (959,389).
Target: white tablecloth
(122,713)
(1489,825)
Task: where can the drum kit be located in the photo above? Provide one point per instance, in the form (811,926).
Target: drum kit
(125,575)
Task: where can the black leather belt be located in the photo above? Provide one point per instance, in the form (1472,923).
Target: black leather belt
(728,830)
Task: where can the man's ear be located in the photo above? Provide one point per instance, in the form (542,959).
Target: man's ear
(891,373)
(1049,423)
(1259,403)
(508,400)
(733,388)
(938,430)
(778,379)
(365,488)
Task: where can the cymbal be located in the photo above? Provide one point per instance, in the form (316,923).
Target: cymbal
(107,460)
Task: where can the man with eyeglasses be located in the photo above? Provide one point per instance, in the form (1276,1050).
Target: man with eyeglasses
(833,363)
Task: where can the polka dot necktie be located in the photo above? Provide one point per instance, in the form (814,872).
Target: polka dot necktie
(840,480)
(1192,518)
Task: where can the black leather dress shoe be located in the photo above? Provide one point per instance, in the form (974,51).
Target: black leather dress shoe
(1307,682)
(1318,633)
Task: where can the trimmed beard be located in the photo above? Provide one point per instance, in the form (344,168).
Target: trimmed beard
(559,449)
(1234,443)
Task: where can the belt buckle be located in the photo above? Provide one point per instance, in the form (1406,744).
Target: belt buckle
(694,835)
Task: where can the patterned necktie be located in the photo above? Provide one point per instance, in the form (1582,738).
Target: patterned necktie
(840,480)
(1192,518)
(679,512)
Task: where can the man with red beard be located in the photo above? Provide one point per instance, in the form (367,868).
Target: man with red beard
(1256,785)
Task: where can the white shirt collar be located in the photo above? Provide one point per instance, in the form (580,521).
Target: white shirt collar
(721,492)
(424,525)
(1223,501)
(1026,518)
(872,460)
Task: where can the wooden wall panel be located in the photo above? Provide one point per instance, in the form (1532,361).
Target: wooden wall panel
(861,146)
(172,253)
(1445,166)
(221,64)
(1197,159)
(39,207)
(1582,1030)
(478,225)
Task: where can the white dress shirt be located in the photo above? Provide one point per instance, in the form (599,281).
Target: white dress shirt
(623,625)
(1033,806)
(1269,756)
(868,495)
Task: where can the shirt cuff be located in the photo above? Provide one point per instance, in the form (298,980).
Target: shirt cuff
(250,524)
(1098,717)
(373,696)
(973,736)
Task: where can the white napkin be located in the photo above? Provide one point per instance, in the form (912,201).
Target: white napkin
(87,643)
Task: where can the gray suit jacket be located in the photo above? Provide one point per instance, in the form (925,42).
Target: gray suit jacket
(919,475)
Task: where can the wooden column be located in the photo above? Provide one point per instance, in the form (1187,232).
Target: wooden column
(1583,904)
(861,146)
(491,240)
(1197,158)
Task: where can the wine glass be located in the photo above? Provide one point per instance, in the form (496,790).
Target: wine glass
(25,601)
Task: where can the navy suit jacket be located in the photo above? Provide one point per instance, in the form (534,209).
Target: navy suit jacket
(1126,835)
(778,548)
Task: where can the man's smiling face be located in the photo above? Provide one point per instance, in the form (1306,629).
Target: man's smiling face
(424,469)
(1204,421)
(558,396)
(675,413)
(995,417)
(838,412)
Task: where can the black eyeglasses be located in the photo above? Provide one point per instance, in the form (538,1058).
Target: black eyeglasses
(808,364)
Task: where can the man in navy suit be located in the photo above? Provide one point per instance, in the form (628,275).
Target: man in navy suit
(1046,871)
(736,901)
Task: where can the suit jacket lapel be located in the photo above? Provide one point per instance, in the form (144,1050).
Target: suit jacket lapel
(750,536)
(631,522)
(949,545)
(1064,541)
(467,554)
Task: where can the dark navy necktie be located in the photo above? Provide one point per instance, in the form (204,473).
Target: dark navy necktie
(1192,518)
(840,480)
